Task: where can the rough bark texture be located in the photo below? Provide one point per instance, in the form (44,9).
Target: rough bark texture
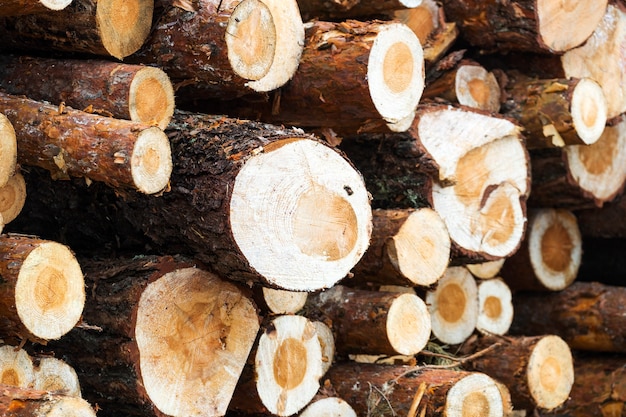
(101,27)
(341,9)
(102,149)
(588,316)
(23,7)
(125,91)
(24,402)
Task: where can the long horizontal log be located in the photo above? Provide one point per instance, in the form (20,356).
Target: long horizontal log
(68,142)
(587,315)
(114,28)
(133,92)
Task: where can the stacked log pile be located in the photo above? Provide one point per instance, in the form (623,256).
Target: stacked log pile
(280,207)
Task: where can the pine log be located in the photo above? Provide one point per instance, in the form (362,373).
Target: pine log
(327,342)
(486,270)
(550,256)
(342,9)
(281,301)
(580,176)
(603,261)
(495,307)
(539,371)
(328,407)
(28,402)
(599,388)
(224,48)
(588,316)
(55,375)
(8,146)
(468,84)
(115,28)
(161,338)
(16,367)
(133,92)
(556,112)
(12,197)
(69,142)
(407,247)
(286,372)
(22,7)
(258,203)
(477,187)
(544,26)
(42,285)
(372,322)
(453,306)
(353,76)
(384,390)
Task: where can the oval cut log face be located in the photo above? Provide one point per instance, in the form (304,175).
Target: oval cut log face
(300,214)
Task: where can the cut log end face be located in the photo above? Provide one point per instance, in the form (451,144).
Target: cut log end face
(50,291)
(564,25)
(486,270)
(56,4)
(329,407)
(408,324)
(288,365)
(589,110)
(453,306)
(555,248)
(151,162)
(395,74)
(8,150)
(550,372)
(151,97)
(53,374)
(477,88)
(495,303)
(194,333)
(16,367)
(124,25)
(12,197)
(287,48)
(473,396)
(598,169)
(300,214)
(251,39)
(420,250)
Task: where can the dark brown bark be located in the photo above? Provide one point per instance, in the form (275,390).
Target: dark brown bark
(609,221)
(26,402)
(588,316)
(101,27)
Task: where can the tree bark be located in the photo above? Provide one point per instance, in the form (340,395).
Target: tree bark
(538,371)
(158,332)
(113,28)
(280,301)
(287,369)
(372,322)
(28,402)
(527,25)
(556,112)
(580,176)
(258,203)
(384,390)
(351,9)
(69,142)
(42,288)
(453,306)
(588,316)
(550,256)
(407,247)
(468,84)
(353,76)
(133,92)
(23,7)
(220,49)
(495,307)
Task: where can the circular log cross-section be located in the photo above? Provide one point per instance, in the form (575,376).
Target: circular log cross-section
(8,150)
(408,247)
(43,289)
(282,301)
(486,270)
(319,221)
(495,307)
(453,306)
(288,365)
(52,374)
(550,257)
(16,367)
(22,7)
(12,197)
(328,407)
(193,343)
